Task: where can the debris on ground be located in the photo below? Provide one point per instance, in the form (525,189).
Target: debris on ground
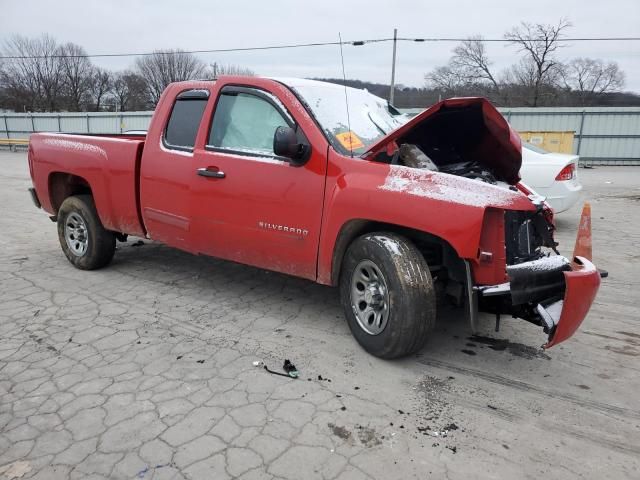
(288,367)
(454,449)
(139,243)
(431,407)
(444,432)
(258,363)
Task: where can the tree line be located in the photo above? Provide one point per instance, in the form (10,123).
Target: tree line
(40,75)
(45,76)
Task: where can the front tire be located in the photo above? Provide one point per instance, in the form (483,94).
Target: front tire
(84,241)
(387,294)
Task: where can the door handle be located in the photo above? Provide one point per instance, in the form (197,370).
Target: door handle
(211,172)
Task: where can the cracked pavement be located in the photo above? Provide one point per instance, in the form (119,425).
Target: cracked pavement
(145,369)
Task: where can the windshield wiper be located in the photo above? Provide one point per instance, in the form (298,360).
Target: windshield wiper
(382,131)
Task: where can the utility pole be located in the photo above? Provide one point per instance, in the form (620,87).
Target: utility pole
(393,66)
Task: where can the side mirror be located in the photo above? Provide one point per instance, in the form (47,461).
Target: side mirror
(286,144)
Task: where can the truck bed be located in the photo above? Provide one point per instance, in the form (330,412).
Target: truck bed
(107,165)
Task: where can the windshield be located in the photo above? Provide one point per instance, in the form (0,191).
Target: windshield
(534,148)
(369,116)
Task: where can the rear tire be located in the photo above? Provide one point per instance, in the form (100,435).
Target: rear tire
(84,241)
(387,294)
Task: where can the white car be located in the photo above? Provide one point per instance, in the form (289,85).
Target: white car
(551,175)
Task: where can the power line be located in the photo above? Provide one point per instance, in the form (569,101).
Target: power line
(504,40)
(214,50)
(356,43)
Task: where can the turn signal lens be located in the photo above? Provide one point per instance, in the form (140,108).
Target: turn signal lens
(567,173)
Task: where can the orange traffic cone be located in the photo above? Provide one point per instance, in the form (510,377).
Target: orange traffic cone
(583,240)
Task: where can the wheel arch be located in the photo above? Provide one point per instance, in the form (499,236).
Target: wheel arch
(435,250)
(63,185)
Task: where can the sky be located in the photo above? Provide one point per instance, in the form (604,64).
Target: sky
(116,26)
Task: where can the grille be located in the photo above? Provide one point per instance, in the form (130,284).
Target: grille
(523,241)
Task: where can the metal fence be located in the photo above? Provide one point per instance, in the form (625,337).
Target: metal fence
(602,135)
(21,125)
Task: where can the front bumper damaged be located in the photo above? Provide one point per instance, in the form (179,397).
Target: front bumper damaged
(551,292)
(582,284)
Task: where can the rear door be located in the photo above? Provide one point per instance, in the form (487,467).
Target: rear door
(167,172)
(250,205)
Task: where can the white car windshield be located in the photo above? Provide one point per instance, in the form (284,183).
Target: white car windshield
(369,117)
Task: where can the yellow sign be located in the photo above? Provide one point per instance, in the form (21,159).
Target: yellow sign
(349,140)
(553,141)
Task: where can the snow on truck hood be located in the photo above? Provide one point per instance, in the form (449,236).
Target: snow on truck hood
(452,189)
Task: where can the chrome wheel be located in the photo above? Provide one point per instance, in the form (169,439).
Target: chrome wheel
(369,297)
(76,234)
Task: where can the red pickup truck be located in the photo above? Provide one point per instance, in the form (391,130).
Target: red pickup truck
(326,183)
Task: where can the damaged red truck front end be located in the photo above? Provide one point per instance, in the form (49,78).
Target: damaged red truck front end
(517,270)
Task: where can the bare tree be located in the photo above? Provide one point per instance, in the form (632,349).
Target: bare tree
(162,68)
(77,75)
(539,42)
(229,69)
(129,91)
(471,62)
(49,71)
(590,78)
(445,79)
(467,73)
(34,75)
(99,88)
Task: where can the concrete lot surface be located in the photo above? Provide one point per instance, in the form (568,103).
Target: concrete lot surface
(145,369)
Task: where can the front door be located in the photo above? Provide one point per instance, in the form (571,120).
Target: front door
(250,205)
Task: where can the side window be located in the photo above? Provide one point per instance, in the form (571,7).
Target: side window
(245,122)
(185,119)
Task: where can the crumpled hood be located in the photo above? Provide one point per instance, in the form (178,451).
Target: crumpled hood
(443,187)
(472,126)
